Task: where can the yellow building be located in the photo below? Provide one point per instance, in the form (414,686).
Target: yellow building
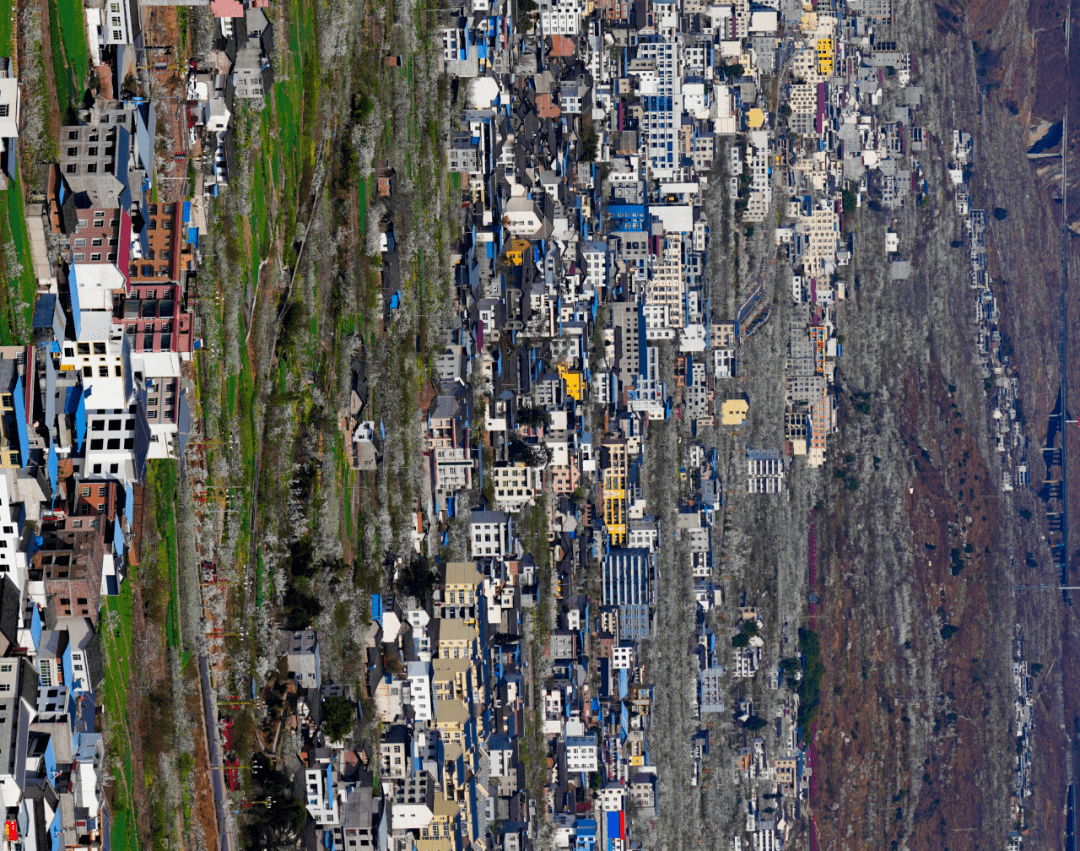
(615,470)
(575,383)
(461,580)
(439,835)
(456,639)
(733,412)
(515,252)
(825,56)
(449,678)
(13,360)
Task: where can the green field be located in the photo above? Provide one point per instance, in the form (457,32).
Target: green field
(6,27)
(18,299)
(116,642)
(70,54)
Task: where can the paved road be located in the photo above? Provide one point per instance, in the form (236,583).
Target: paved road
(217,773)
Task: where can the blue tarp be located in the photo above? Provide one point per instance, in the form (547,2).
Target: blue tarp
(376,608)
(50,395)
(20,421)
(43,311)
(35,626)
(54,469)
(129,503)
(76,314)
(80,422)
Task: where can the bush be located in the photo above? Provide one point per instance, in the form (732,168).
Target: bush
(339,715)
(740,639)
(810,686)
(1001,214)
(948,631)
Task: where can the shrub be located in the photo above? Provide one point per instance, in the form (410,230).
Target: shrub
(948,631)
(339,714)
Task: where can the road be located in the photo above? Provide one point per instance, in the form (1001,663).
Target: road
(217,773)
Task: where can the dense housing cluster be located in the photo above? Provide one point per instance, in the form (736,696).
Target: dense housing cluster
(93,397)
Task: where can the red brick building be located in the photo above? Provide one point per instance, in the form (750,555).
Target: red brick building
(70,564)
(101,236)
(151,309)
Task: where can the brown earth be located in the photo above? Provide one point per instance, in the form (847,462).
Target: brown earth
(869,719)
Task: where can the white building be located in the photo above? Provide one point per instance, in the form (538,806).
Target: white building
(116,22)
(560,17)
(419,676)
(516,485)
(320,800)
(491,534)
(18,698)
(581,754)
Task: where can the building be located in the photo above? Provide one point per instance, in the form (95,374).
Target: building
(18,707)
(94,160)
(581,754)
(394,757)
(301,650)
(120,22)
(419,676)
(627,578)
(100,236)
(614,471)
(448,445)
(516,485)
(765,471)
(491,534)
(413,803)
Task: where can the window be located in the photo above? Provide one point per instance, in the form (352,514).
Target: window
(113,444)
(95,257)
(79,257)
(88,372)
(114,468)
(96,242)
(73,134)
(118,372)
(84,490)
(97,470)
(80,243)
(91,168)
(96,444)
(84,348)
(103,372)
(99,348)
(114,425)
(102,489)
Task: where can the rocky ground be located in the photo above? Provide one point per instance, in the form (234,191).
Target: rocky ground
(914,745)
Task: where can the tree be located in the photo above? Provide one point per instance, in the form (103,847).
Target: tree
(533,416)
(339,714)
(754,723)
(302,609)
